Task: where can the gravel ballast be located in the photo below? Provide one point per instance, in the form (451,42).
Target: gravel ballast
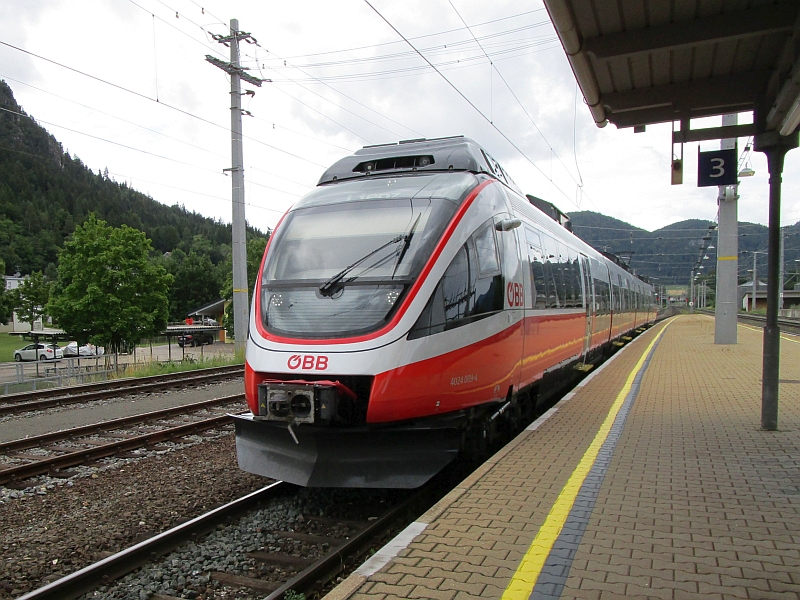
(57,527)
(188,572)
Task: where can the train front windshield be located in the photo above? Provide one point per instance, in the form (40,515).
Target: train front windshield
(342,260)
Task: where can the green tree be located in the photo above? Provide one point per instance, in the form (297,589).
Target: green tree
(197,282)
(29,300)
(108,290)
(255,252)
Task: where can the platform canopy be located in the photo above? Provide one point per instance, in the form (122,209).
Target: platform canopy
(640,62)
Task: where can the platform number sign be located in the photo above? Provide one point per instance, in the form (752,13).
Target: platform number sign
(718,167)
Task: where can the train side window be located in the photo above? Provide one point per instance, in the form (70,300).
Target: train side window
(603,295)
(626,286)
(538,278)
(465,292)
(456,288)
(551,265)
(572,274)
(536,265)
(562,275)
(486,246)
(532,237)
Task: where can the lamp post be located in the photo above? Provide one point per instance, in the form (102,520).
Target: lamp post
(755,277)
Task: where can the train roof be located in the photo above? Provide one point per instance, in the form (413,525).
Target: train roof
(456,153)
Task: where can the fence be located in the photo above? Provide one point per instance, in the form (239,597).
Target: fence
(25,376)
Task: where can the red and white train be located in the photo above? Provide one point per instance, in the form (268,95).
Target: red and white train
(412,305)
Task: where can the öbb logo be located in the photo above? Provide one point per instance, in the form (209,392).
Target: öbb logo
(514,294)
(307,362)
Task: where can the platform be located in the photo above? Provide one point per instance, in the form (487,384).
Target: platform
(652,479)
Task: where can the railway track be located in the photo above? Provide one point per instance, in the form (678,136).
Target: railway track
(786,325)
(50,453)
(334,544)
(43,399)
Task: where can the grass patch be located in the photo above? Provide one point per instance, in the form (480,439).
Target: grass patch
(9,343)
(163,368)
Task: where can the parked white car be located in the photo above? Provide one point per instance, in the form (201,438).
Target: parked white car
(72,349)
(38,351)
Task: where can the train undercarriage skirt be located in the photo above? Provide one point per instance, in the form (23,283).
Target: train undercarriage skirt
(362,457)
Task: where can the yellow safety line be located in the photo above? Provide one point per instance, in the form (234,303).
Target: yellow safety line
(524,580)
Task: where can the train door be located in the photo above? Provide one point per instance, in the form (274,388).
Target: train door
(535,304)
(588,302)
(514,303)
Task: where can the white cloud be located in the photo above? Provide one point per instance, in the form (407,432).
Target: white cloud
(626,175)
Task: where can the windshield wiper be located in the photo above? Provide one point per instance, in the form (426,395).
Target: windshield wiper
(333,285)
(406,244)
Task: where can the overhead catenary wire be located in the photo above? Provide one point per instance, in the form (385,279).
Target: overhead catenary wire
(151,99)
(173,187)
(409,71)
(321,80)
(171,25)
(204,11)
(154,131)
(419,37)
(439,49)
(331,119)
(129,178)
(147,152)
(460,93)
(348,110)
(519,102)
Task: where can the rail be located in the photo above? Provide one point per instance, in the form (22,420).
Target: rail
(89,578)
(113,384)
(319,572)
(83,455)
(786,324)
(65,434)
(17,403)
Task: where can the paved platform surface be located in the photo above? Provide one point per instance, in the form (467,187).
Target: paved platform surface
(661,486)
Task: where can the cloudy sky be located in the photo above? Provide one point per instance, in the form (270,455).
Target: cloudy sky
(133,93)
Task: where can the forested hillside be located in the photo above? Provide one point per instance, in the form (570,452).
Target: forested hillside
(45,192)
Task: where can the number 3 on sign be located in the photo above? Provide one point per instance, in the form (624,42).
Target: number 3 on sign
(717,167)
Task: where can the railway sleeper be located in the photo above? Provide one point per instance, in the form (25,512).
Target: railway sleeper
(257,585)
(309,538)
(283,560)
